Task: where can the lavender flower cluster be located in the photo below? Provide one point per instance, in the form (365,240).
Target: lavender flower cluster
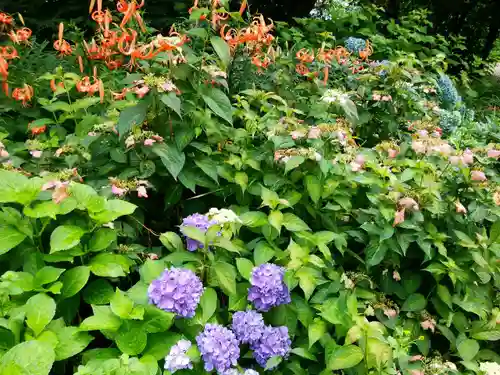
(199,221)
(353,44)
(268,289)
(218,347)
(177,290)
(177,359)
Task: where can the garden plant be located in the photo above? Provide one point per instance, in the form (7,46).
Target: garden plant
(237,196)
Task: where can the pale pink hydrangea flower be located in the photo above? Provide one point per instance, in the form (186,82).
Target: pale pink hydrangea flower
(399,217)
(392,153)
(390,313)
(459,208)
(157,138)
(478,176)
(296,134)
(4,153)
(376,97)
(494,154)
(417,372)
(142,192)
(314,133)
(428,325)
(92,134)
(386,98)
(408,203)
(153,256)
(358,163)
(468,157)
(141,91)
(149,142)
(396,276)
(455,160)
(58,152)
(117,190)
(417,357)
(418,147)
(37,154)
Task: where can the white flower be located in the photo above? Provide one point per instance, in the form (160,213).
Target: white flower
(177,359)
(109,225)
(331,96)
(129,141)
(317,156)
(490,368)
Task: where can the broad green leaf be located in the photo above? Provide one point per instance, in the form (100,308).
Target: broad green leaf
(156,320)
(273,362)
(263,253)
(110,265)
(132,116)
(491,335)
(65,237)
(238,301)
(241,178)
(10,238)
(28,358)
(468,349)
(40,309)
(375,253)
(121,304)
(98,292)
(159,344)
(313,187)
(151,269)
(414,302)
(219,103)
(222,50)
(344,357)
(47,275)
(253,219)
(74,280)
(208,304)
(113,209)
(71,342)
(294,223)
(173,102)
(495,232)
(209,167)
(172,241)
(17,188)
(276,220)
(103,319)
(316,330)
(102,239)
(131,338)
(245,267)
(445,295)
(226,277)
(293,163)
(7,339)
(171,157)
(308,280)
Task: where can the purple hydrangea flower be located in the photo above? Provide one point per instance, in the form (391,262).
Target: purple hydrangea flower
(197,221)
(177,290)
(218,347)
(248,326)
(250,372)
(268,289)
(274,342)
(177,359)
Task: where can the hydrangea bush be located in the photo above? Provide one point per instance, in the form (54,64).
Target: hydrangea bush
(217,200)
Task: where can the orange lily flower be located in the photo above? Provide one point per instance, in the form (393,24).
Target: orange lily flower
(37,129)
(23,95)
(129,10)
(4,68)
(368,51)
(304,56)
(5,19)
(61,45)
(8,52)
(302,69)
(21,35)
(54,86)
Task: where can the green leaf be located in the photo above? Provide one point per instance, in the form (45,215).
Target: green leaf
(209,167)
(414,302)
(208,304)
(171,157)
(131,338)
(293,163)
(316,330)
(16,188)
(222,50)
(150,270)
(98,292)
(47,275)
(276,220)
(40,309)
(113,209)
(492,335)
(10,238)
(273,362)
(495,232)
(172,101)
(74,280)
(344,357)
(28,358)
(65,237)
(159,344)
(245,267)
(238,301)
(241,178)
(71,342)
(313,187)
(294,223)
(263,253)
(308,279)
(172,241)
(110,265)
(468,349)
(121,304)
(156,320)
(131,116)
(226,277)
(445,295)
(7,339)
(253,219)
(102,239)
(103,319)
(219,103)
(375,253)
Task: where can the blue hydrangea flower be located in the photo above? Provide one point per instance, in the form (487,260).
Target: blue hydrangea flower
(274,341)
(353,44)
(268,289)
(218,347)
(234,371)
(449,120)
(177,290)
(248,326)
(447,91)
(177,359)
(202,222)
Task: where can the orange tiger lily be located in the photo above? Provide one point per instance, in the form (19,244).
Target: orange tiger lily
(23,95)
(4,68)
(304,56)
(37,129)
(61,45)
(54,86)
(8,53)
(5,19)
(368,51)
(21,35)
(85,86)
(129,10)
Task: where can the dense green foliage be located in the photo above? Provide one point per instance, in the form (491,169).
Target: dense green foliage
(363,173)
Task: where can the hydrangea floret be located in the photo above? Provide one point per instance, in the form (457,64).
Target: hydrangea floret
(218,347)
(268,289)
(274,341)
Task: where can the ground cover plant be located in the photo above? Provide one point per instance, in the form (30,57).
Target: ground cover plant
(241,197)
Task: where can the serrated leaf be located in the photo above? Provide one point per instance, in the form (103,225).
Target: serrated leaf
(245,267)
(276,220)
(10,238)
(468,349)
(171,157)
(315,331)
(172,101)
(74,280)
(40,309)
(313,187)
(219,103)
(222,50)
(293,162)
(294,223)
(208,304)
(28,358)
(131,116)
(226,277)
(65,237)
(414,302)
(344,357)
